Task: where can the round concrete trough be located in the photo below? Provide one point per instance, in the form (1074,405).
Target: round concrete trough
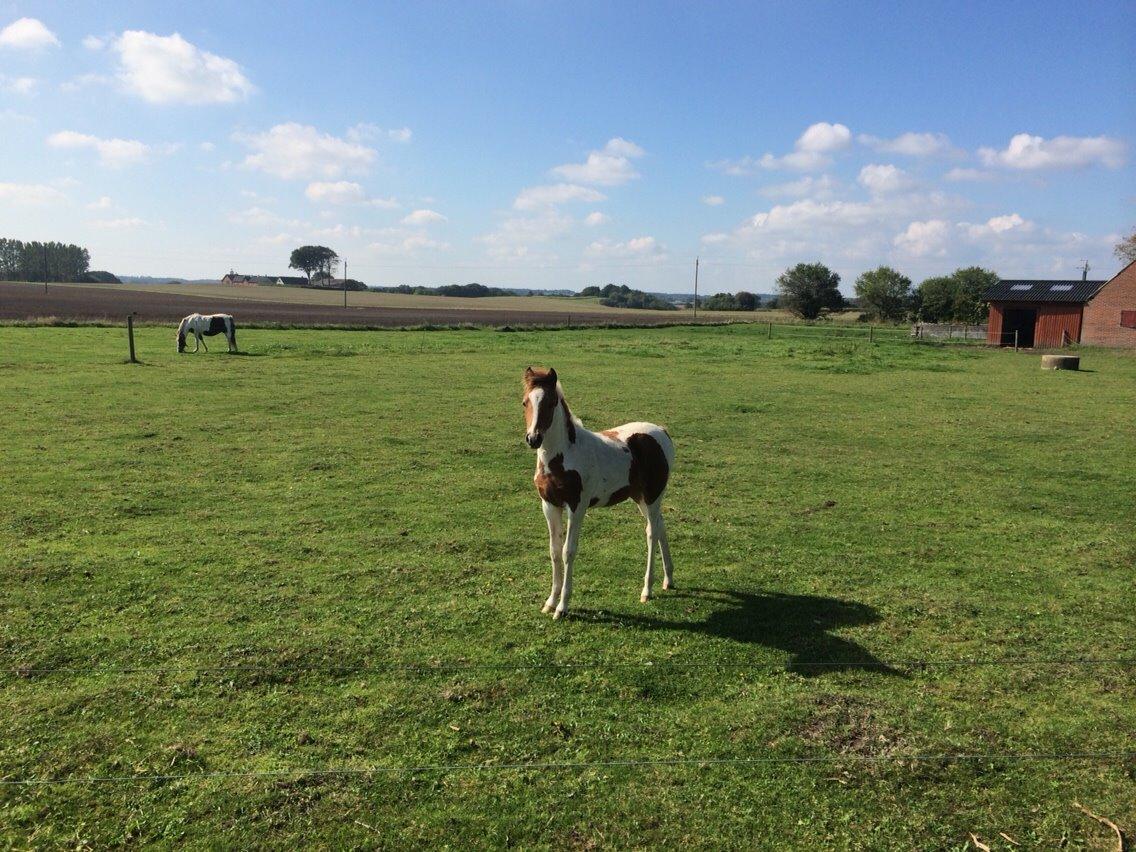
(1060,362)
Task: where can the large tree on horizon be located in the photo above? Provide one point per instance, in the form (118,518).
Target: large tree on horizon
(313,259)
(809,289)
(884,293)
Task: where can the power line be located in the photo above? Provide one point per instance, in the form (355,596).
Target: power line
(549,766)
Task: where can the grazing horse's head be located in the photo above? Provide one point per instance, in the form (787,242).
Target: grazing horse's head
(181,334)
(540,400)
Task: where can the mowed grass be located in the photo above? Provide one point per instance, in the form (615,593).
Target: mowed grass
(327,553)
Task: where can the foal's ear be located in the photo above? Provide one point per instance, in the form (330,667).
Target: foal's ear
(528,372)
(552,375)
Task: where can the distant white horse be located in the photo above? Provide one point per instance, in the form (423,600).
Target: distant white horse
(207,325)
(577,469)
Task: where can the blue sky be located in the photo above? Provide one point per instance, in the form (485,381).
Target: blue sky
(567,144)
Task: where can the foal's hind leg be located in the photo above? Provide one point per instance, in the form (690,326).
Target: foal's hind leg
(664,548)
(654,519)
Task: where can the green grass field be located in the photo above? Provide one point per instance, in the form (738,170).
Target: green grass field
(327,553)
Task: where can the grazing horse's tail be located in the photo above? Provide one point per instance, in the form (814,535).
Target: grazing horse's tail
(233,332)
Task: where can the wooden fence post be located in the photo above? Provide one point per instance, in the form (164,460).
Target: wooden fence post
(130,337)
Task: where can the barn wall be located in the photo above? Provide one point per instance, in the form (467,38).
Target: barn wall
(1102,314)
(1058,323)
(994,324)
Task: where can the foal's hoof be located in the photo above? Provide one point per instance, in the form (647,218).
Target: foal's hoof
(547,608)
(668,586)
(559,614)
(644,598)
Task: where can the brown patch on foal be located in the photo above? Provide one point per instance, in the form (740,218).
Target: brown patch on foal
(649,468)
(558,486)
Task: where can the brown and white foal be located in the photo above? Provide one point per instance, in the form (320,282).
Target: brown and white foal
(577,469)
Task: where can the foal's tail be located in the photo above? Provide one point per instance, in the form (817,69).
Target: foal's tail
(233,333)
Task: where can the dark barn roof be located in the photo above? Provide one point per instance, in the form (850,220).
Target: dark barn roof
(1014,290)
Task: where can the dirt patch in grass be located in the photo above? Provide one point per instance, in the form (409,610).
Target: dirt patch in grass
(850,726)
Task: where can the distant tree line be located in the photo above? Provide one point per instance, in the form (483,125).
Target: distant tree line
(743,300)
(622,296)
(473,290)
(20,261)
(810,290)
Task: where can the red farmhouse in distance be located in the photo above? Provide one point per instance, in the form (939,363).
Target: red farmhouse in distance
(1057,313)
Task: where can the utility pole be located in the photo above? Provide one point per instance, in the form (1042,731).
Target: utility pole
(696,288)
(345,283)
(45,267)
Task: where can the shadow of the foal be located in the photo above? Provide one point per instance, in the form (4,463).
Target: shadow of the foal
(799,625)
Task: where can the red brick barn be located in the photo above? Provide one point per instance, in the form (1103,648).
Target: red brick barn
(1110,316)
(1037,313)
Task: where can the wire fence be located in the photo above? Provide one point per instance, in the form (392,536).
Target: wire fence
(431,667)
(552,766)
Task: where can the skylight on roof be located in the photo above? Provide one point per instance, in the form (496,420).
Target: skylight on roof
(1021,286)
(1061,288)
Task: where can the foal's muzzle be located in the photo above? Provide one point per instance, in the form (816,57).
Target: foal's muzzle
(534,440)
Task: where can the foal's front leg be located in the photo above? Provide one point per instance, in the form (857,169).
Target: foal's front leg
(554,515)
(575,520)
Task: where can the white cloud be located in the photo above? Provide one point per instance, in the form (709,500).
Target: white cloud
(29,193)
(27,34)
(103,203)
(258,216)
(399,242)
(880,179)
(169,70)
(535,197)
(713,200)
(367,132)
(93,42)
(964,174)
(340,192)
(596,218)
(819,188)
(120,224)
(997,226)
(25,86)
(345,192)
(923,239)
(609,167)
(423,217)
(297,151)
(638,247)
(515,237)
(1026,152)
(812,151)
(824,138)
(620,147)
(910,144)
(114,153)
(207,147)
(715,238)
(82,81)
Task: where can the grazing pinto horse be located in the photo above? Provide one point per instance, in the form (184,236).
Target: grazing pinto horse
(577,469)
(198,325)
